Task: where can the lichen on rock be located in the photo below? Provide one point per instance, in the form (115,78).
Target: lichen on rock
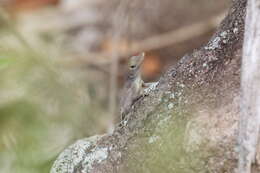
(81,152)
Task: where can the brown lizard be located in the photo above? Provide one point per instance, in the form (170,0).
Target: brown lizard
(134,84)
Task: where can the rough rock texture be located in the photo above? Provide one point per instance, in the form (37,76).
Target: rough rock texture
(83,152)
(200,95)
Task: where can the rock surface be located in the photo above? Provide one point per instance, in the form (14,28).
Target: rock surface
(195,104)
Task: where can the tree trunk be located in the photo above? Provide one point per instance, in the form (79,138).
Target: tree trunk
(250,103)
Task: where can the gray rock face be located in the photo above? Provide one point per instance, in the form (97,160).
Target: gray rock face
(80,156)
(204,85)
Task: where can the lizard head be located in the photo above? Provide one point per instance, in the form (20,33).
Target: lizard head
(136,61)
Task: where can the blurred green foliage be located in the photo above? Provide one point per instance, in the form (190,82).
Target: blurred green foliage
(44,105)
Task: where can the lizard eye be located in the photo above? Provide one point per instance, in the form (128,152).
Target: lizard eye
(132,66)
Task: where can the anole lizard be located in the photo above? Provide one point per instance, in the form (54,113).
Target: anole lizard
(134,85)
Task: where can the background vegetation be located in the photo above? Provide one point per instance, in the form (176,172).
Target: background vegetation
(44,105)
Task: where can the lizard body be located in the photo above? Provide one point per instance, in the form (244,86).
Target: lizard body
(133,88)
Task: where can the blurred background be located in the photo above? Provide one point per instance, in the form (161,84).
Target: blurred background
(62,65)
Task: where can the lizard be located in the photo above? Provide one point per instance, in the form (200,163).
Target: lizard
(134,85)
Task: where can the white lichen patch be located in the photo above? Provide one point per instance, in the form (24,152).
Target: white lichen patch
(214,44)
(170,106)
(225,41)
(182,85)
(223,34)
(235,30)
(72,157)
(124,122)
(172,96)
(153,139)
(96,155)
(152,86)
(179,94)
